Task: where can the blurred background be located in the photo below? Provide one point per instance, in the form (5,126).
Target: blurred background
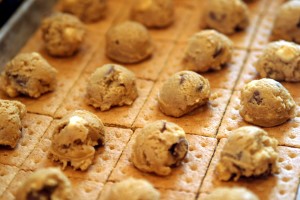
(7,8)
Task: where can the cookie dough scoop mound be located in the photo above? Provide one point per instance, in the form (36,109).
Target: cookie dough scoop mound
(234,193)
(74,139)
(280,61)
(11,115)
(132,189)
(207,50)
(183,92)
(62,34)
(85,10)
(249,152)
(111,85)
(226,16)
(287,23)
(158,147)
(128,42)
(28,74)
(153,13)
(266,103)
(48,183)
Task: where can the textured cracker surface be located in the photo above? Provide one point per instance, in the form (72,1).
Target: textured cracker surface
(207,127)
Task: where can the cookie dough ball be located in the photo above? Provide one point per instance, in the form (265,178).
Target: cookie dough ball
(85,10)
(48,183)
(207,50)
(249,152)
(28,74)
(132,189)
(226,16)
(266,103)
(111,85)
(158,147)
(11,114)
(280,61)
(128,42)
(235,193)
(63,34)
(182,93)
(286,25)
(153,13)
(74,139)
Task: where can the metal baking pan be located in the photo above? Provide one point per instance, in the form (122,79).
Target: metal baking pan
(16,31)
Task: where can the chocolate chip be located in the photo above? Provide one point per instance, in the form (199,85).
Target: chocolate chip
(182,79)
(298,24)
(164,127)
(199,88)
(78,142)
(179,150)
(111,70)
(212,15)
(218,52)
(45,193)
(117,42)
(256,98)
(238,28)
(22,81)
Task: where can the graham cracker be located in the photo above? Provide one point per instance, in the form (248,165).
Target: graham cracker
(224,78)
(148,69)
(105,159)
(287,134)
(241,40)
(263,32)
(34,127)
(164,194)
(279,186)
(68,69)
(186,177)
(7,173)
(249,73)
(182,10)
(82,189)
(124,115)
(204,120)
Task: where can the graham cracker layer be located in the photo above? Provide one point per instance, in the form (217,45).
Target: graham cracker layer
(164,194)
(204,120)
(7,173)
(105,159)
(34,127)
(279,186)
(186,177)
(122,116)
(224,78)
(287,134)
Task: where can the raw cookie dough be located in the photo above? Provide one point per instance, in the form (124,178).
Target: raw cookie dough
(266,103)
(63,34)
(207,50)
(287,23)
(28,74)
(48,183)
(183,92)
(158,147)
(111,85)
(226,16)
(74,139)
(153,13)
(128,42)
(249,152)
(11,114)
(280,61)
(234,193)
(85,10)
(132,189)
